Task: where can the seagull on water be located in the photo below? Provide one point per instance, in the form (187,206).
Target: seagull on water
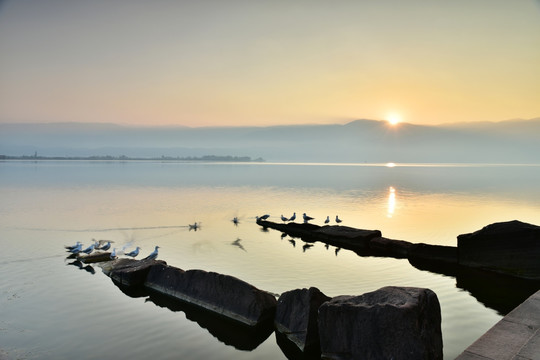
(152,255)
(235,221)
(293,217)
(195,226)
(307,218)
(327,220)
(134,252)
(89,249)
(338,220)
(284,219)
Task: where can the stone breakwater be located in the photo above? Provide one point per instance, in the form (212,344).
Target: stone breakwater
(392,322)
(509,248)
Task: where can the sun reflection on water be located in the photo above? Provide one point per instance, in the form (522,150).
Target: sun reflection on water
(391,201)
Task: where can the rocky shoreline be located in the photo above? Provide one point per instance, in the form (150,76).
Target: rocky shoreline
(392,322)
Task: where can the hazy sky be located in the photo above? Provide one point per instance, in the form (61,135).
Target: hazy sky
(257,62)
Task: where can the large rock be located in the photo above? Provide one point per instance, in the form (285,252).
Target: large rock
(511,248)
(222,294)
(130,272)
(390,323)
(297,315)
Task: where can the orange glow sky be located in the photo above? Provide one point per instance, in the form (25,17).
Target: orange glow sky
(231,62)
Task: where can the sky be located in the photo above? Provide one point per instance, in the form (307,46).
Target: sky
(261,63)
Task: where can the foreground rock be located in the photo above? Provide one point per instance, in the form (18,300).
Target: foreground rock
(390,323)
(297,315)
(511,248)
(222,294)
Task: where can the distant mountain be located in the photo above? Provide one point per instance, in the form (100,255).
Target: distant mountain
(513,141)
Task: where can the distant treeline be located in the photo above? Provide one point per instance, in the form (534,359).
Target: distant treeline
(208,158)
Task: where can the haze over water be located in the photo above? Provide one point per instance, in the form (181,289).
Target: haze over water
(51,310)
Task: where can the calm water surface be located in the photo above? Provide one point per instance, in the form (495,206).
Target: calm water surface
(51,309)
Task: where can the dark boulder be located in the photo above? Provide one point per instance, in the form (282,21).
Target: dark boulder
(387,247)
(511,248)
(95,257)
(222,294)
(390,323)
(130,272)
(296,317)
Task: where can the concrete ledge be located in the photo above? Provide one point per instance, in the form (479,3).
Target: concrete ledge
(516,336)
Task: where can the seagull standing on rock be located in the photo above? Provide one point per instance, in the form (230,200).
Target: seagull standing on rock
(77,249)
(113,254)
(327,220)
(152,255)
(134,252)
(284,219)
(264,217)
(307,218)
(338,220)
(89,249)
(106,247)
(293,217)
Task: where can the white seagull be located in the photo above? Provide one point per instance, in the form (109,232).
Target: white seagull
(338,220)
(89,249)
(105,247)
(113,254)
(307,218)
(152,255)
(293,217)
(284,219)
(327,220)
(77,249)
(71,247)
(134,252)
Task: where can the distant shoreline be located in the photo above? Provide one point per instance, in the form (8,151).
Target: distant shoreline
(206,158)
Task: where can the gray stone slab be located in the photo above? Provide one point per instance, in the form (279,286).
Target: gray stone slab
(531,350)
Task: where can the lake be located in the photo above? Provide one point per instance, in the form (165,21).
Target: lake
(50,308)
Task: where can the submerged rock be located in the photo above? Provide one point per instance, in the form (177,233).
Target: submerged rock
(511,248)
(222,294)
(297,315)
(390,323)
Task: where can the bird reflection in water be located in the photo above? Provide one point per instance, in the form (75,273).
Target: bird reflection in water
(237,243)
(81,266)
(337,250)
(306,247)
(292,242)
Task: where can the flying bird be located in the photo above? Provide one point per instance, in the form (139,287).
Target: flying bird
(293,217)
(134,252)
(153,254)
(284,219)
(327,220)
(307,218)
(338,220)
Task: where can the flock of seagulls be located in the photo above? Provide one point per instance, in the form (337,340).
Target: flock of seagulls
(105,245)
(305,217)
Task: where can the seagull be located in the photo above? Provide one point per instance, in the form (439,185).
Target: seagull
(327,220)
(235,221)
(105,247)
(113,254)
(284,219)
(152,255)
(264,217)
(89,249)
(195,226)
(134,252)
(338,220)
(77,249)
(293,217)
(307,218)
(71,247)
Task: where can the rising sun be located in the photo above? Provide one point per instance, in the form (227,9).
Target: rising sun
(393,118)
